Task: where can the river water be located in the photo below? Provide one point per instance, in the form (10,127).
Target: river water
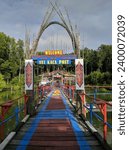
(9,95)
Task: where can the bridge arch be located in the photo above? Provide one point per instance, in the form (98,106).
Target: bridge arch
(71,35)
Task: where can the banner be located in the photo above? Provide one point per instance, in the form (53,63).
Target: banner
(54,62)
(29,74)
(79,70)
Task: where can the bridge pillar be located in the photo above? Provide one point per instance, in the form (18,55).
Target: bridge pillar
(83,102)
(4,110)
(79,71)
(105,120)
(29,86)
(78,103)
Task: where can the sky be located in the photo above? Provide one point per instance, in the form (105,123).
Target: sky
(93,19)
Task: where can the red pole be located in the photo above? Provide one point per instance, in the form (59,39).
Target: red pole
(42,90)
(4,109)
(2,126)
(25,104)
(72,94)
(68,90)
(105,120)
(39,96)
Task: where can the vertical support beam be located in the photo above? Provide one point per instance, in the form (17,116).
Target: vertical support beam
(105,120)
(25,104)
(83,109)
(39,93)
(73,93)
(77,101)
(4,109)
(70,93)
(95,94)
(91,113)
(2,126)
(16,115)
(42,91)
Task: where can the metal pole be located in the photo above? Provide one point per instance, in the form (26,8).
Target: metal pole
(105,120)
(91,113)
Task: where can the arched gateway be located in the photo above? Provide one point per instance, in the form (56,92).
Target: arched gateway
(65,23)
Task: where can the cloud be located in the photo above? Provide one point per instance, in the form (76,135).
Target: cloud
(55,40)
(93,19)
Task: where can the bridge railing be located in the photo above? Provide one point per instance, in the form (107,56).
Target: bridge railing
(93,103)
(13,111)
(101,106)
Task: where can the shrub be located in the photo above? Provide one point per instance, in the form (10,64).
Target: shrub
(2,82)
(98,78)
(16,83)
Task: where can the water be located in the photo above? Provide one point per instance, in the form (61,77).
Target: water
(11,124)
(10,95)
(99,126)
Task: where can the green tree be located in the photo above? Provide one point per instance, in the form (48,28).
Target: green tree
(11,56)
(2,82)
(105,58)
(4,47)
(90,60)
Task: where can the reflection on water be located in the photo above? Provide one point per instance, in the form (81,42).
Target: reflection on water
(17,105)
(10,95)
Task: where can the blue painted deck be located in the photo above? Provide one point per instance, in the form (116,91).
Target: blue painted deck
(54,129)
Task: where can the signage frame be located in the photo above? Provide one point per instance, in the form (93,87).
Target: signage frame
(79,70)
(29,75)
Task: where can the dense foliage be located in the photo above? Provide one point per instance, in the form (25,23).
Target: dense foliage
(11,56)
(2,82)
(98,65)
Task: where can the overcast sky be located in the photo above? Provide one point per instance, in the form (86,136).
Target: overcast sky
(93,18)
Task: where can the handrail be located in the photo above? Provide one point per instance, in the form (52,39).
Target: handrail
(99,117)
(40,92)
(6,106)
(100,103)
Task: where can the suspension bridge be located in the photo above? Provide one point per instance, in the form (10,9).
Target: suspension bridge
(58,121)
(56,112)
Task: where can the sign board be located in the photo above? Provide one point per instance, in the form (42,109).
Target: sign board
(54,62)
(79,70)
(54,52)
(29,74)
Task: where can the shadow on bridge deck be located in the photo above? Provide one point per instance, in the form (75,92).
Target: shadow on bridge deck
(54,128)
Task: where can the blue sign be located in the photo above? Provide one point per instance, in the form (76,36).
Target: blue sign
(53,62)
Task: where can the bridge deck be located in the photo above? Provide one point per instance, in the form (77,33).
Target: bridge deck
(54,128)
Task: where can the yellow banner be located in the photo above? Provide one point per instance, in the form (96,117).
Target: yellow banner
(54,52)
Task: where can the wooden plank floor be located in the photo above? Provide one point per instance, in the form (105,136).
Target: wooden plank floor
(54,128)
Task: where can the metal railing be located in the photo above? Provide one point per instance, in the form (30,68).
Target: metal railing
(100,104)
(13,111)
